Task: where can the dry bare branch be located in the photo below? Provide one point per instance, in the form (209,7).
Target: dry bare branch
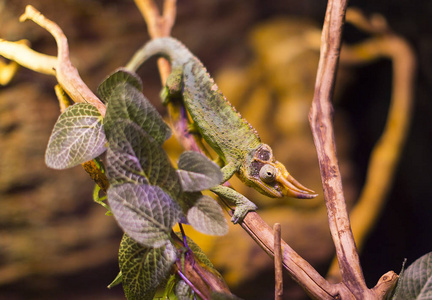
(278,261)
(387,151)
(67,75)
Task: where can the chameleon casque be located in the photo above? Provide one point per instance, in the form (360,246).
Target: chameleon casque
(235,141)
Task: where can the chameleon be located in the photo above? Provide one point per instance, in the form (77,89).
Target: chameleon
(235,141)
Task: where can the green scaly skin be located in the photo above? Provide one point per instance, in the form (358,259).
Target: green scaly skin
(233,138)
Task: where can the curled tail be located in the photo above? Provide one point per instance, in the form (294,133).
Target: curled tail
(166,47)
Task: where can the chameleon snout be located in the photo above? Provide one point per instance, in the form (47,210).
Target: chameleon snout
(290,186)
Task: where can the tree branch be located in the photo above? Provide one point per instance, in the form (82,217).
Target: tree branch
(321,123)
(67,75)
(387,151)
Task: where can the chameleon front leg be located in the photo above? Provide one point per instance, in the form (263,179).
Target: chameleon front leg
(243,204)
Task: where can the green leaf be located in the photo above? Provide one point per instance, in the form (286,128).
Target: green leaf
(144,269)
(144,212)
(120,76)
(416,281)
(124,146)
(125,102)
(197,251)
(77,137)
(197,172)
(117,280)
(207,216)
(133,156)
(183,291)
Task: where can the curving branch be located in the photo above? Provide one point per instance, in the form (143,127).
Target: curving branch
(387,151)
(67,75)
(322,128)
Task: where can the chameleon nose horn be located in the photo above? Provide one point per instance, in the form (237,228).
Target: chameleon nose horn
(293,188)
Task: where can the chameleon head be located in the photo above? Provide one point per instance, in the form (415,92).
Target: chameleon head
(270,177)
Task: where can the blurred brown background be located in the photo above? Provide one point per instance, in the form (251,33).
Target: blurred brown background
(55,243)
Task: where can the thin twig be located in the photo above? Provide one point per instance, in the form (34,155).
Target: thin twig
(298,268)
(278,261)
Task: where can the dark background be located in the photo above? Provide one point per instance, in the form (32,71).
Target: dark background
(104,34)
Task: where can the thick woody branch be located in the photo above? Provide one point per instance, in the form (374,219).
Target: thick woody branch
(321,123)
(387,151)
(322,128)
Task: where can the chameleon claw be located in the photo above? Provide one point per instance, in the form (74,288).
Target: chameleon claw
(241,211)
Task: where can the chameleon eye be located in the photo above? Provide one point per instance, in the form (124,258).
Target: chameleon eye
(267,173)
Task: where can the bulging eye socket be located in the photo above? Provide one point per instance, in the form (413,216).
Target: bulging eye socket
(267,173)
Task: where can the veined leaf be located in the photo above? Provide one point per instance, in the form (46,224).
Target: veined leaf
(144,212)
(144,269)
(197,172)
(183,291)
(77,137)
(416,281)
(123,165)
(207,216)
(117,280)
(125,102)
(134,156)
(197,251)
(120,76)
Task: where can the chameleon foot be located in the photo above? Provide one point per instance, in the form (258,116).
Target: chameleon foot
(241,211)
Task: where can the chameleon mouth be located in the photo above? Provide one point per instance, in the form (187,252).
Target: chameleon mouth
(293,188)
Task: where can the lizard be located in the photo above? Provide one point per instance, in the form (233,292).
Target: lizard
(236,142)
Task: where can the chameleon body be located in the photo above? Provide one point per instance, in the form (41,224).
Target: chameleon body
(235,141)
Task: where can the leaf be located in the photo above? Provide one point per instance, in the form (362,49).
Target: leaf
(77,137)
(144,212)
(197,172)
(416,282)
(144,269)
(117,280)
(124,146)
(133,156)
(125,102)
(120,76)
(207,216)
(183,291)
(197,251)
